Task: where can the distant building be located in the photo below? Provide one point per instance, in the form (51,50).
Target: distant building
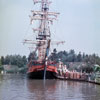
(10,68)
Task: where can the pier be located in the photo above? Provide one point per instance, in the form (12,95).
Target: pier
(65,74)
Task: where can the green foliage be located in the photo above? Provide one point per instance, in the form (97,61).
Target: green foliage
(23,69)
(97,68)
(32,56)
(86,61)
(71,56)
(1,68)
(64,56)
(17,60)
(0,62)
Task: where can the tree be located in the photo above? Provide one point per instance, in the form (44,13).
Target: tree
(7,60)
(1,67)
(24,59)
(71,56)
(55,51)
(32,56)
(2,60)
(79,57)
(54,56)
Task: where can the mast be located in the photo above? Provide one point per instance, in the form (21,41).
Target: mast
(43,39)
(44,35)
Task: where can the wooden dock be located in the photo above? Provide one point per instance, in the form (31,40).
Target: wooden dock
(78,80)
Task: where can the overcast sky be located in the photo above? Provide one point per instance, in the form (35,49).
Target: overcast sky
(78,24)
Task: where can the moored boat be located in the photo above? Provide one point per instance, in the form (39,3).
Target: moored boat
(36,71)
(42,67)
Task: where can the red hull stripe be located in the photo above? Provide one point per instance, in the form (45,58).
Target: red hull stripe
(39,68)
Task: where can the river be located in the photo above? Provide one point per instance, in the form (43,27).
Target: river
(18,87)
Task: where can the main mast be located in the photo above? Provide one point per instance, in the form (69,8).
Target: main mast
(43,38)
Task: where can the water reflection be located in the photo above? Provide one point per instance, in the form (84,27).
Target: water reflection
(18,87)
(40,90)
(1,77)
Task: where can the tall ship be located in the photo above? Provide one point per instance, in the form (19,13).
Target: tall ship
(41,67)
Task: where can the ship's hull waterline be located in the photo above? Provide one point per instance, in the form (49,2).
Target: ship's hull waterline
(37,72)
